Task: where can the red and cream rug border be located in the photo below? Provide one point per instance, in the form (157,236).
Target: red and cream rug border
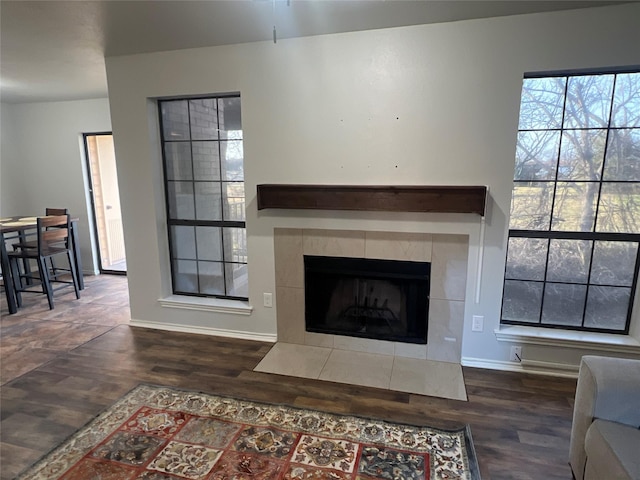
(447,454)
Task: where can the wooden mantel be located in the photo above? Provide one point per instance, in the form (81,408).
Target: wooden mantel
(443,199)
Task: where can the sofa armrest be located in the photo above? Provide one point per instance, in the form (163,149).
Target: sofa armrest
(609,389)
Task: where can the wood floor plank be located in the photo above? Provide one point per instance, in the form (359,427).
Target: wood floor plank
(520,423)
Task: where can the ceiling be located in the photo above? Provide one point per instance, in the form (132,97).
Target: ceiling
(54,50)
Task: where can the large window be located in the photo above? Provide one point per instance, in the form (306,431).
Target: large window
(204,188)
(574,231)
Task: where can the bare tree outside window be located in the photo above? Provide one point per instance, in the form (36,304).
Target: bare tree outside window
(574,229)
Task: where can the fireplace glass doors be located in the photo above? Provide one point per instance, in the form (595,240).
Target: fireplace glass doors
(358,297)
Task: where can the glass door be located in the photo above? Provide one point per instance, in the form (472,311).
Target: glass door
(105,201)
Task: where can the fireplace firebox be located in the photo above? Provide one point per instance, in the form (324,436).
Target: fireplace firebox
(370,298)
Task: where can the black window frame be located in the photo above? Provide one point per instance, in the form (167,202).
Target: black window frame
(171,222)
(591,236)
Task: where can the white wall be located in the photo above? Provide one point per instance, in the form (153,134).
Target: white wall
(9,151)
(432,104)
(43,161)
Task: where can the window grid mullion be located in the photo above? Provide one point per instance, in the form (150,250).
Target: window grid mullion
(224,259)
(555,182)
(195,206)
(634,283)
(586,295)
(604,154)
(544,281)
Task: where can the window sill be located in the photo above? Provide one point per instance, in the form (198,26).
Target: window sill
(567,338)
(218,305)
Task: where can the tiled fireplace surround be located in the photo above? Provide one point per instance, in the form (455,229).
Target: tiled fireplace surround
(447,254)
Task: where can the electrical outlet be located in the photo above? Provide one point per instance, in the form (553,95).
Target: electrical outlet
(516,353)
(268,300)
(478,323)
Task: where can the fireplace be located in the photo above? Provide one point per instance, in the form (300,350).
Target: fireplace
(369,298)
(448,258)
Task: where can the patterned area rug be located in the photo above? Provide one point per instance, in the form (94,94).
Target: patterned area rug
(160,433)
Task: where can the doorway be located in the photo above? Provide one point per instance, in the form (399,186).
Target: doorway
(105,202)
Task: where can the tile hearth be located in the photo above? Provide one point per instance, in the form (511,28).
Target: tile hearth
(411,375)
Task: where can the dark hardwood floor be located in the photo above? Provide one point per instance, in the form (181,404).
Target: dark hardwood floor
(60,368)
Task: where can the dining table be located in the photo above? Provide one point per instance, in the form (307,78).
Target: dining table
(15,228)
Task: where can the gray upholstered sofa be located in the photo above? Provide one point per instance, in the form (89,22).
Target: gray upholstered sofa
(605,434)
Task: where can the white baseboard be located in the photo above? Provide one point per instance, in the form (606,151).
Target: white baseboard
(216,332)
(526,366)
